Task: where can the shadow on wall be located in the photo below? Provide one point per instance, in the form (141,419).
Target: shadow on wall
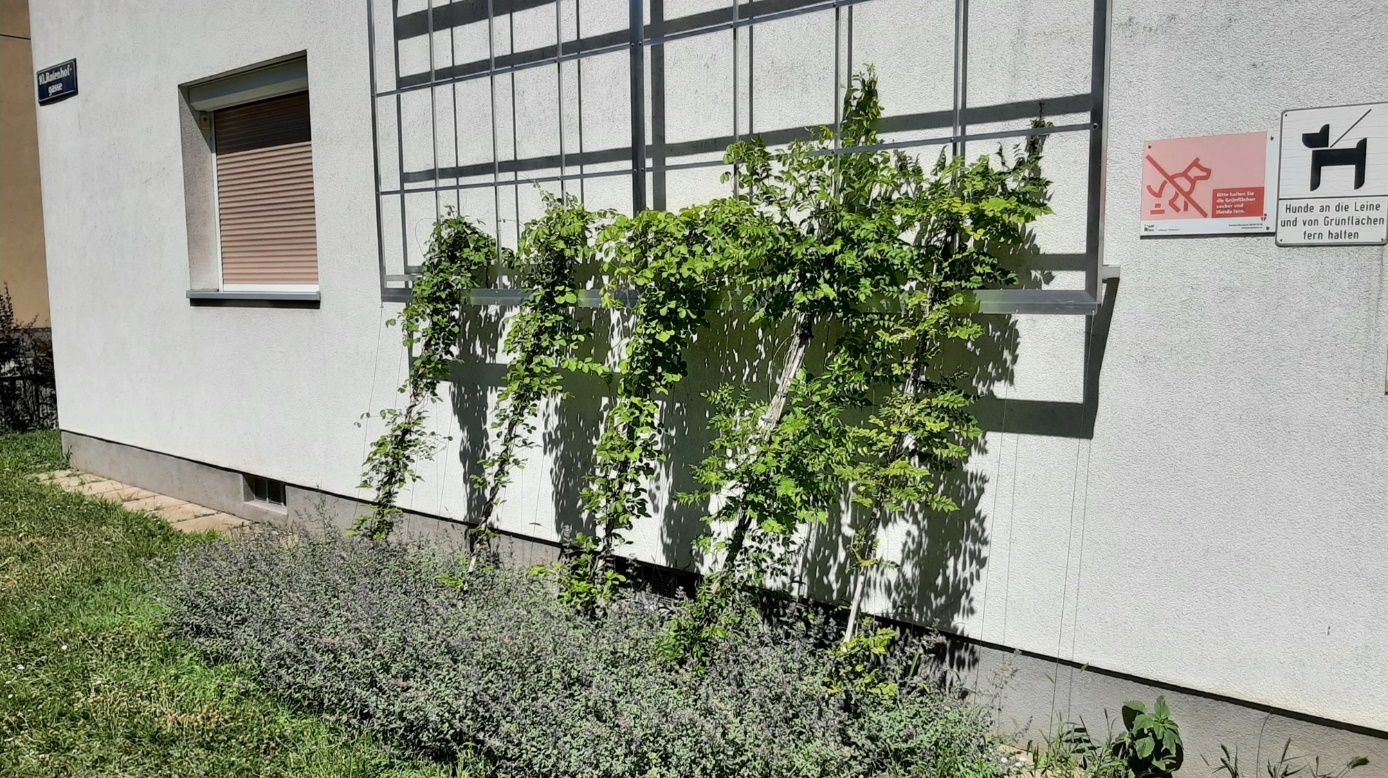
(475,377)
(941,556)
(571,430)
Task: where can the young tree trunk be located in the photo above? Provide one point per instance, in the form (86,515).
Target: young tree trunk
(795,360)
(855,607)
(606,539)
(509,436)
(868,533)
(494,485)
(869,530)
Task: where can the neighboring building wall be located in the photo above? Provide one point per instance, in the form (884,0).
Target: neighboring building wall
(1210,519)
(21,206)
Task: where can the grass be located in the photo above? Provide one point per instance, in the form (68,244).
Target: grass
(90,684)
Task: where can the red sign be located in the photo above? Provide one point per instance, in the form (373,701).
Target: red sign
(1215,185)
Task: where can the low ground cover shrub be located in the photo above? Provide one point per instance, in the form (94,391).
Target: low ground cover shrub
(486,669)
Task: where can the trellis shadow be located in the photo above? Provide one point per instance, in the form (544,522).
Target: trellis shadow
(728,350)
(474,378)
(572,427)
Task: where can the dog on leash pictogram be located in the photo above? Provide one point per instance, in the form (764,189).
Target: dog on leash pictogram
(1324,154)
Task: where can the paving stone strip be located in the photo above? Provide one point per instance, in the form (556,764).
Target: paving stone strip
(180,514)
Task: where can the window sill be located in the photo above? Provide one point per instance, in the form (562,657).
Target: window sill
(254,299)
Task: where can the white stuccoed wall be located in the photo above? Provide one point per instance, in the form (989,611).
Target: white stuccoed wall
(1222,530)
(254,389)
(1234,536)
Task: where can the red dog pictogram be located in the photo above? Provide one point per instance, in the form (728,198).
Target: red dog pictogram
(1182,199)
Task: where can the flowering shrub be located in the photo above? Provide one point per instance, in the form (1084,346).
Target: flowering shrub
(485,668)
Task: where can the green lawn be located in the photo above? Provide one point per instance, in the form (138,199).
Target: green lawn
(89,682)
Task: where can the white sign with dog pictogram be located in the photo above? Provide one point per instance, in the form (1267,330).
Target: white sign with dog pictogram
(1332,189)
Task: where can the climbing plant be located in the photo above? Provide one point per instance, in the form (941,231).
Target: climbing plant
(545,337)
(775,466)
(881,258)
(672,260)
(861,256)
(456,259)
(959,222)
(837,221)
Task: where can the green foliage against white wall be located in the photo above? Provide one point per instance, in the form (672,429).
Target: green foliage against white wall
(545,338)
(867,256)
(456,260)
(875,262)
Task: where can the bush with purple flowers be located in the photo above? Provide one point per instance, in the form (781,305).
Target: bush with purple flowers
(486,669)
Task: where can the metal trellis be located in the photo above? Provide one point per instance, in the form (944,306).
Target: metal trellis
(639,38)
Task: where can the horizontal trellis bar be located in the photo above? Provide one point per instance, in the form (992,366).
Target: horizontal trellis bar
(507,182)
(748,22)
(966,137)
(999,114)
(501,71)
(1029,132)
(1062,302)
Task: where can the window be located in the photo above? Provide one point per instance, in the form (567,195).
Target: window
(262,489)
(265,218)
(248,183)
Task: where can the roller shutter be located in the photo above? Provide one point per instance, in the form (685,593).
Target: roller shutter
(265,193)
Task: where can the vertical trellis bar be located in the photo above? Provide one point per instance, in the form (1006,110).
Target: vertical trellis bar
(559,81)
(433,109)
(578,71)
(1098,136)
(961,48)
(515,130)
(453,87)
(496,156)
(849,58)
(400,144)
(838,76)
(737,96)
(963,107)
(637,42)
(837,161)
(737,52)
(375,137)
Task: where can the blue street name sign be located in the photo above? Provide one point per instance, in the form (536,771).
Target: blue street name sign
(58,82)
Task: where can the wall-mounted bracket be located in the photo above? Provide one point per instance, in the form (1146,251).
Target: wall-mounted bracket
(1056,302)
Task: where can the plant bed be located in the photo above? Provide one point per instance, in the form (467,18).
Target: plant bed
(487,670)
